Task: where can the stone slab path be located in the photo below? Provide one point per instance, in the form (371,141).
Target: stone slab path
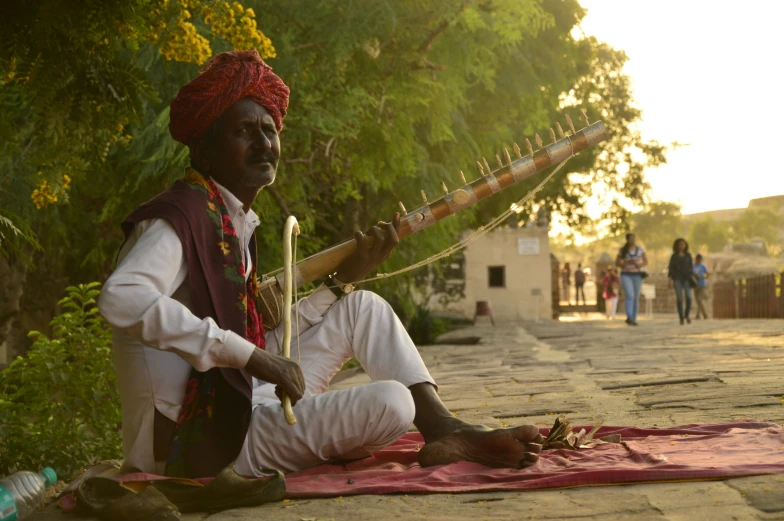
(657,374)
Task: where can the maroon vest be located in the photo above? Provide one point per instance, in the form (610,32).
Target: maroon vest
(216,410)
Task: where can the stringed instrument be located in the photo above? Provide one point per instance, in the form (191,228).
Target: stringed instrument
(508,173)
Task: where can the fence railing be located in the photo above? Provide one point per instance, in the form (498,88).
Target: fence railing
(753,297)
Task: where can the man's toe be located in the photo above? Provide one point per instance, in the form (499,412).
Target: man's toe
(533,447)
(526,434)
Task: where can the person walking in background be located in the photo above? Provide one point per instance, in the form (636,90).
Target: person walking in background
(700,292)
(566,281)
(681,272)
(579,284)
(610,283)
(632,259)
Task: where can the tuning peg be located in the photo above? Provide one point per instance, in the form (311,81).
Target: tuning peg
(539,141)
(462,178)
(508,158)
(479,167)
(552,136)
(584,117)
(424,196)
(444,188)
(559,130)
(487,167)
(571,125)
(402,208)
(529,147)
(517,151)
(498,158)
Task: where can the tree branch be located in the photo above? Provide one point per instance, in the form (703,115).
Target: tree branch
(438,31)
(279,200)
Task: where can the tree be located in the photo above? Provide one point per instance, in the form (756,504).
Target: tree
(705,234)
(755,223)
(387,98)
(658,224)
(77,79)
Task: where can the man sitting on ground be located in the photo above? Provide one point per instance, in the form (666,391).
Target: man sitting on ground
(199,378)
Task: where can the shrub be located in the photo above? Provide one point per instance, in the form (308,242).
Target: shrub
(424,328)
(59,405)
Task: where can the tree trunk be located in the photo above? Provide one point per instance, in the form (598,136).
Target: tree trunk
(13,274)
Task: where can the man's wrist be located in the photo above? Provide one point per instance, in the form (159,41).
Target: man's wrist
(338,287)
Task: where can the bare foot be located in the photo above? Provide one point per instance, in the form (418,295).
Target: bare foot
(515,447)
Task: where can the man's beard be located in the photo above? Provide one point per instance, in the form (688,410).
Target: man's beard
(258,180)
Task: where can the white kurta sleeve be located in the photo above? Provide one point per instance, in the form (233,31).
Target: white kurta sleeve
(137,299)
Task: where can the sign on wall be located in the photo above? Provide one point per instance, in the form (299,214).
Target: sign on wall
(528,245)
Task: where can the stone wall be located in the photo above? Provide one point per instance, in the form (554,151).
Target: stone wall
(527,292)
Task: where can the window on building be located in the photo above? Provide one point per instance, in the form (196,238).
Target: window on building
(496,276)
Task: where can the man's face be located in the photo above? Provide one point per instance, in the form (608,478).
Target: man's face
(243,151)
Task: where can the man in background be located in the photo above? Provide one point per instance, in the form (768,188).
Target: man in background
(579,284)
(701,291)
(566,281)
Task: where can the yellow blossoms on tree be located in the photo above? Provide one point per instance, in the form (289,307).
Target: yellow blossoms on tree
(45,194)
(237,25)
(180,41)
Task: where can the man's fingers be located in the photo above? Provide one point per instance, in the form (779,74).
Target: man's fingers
(378,240)
(360,238)
(391,236)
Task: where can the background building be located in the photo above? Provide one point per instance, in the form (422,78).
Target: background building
(510,268)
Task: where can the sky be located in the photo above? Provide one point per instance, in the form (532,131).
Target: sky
(707,73)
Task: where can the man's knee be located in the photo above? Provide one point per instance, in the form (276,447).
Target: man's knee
(394,403)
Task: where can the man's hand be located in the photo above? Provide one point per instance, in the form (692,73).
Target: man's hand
(284,373)
(366,259)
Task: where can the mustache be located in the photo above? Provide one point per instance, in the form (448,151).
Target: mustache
(265,157)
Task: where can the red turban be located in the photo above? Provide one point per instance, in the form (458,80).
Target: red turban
(225,79)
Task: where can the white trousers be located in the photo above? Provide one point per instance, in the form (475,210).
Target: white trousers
(346,424)
(611,304)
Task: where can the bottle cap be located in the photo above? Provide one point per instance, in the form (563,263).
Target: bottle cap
(50,476)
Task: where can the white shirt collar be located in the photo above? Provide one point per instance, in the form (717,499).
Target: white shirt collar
(234,206)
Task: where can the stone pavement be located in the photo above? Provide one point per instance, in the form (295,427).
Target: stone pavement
(657,374)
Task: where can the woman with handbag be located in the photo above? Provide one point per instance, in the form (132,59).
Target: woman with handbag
(681,272)
(610,283)
(632,261)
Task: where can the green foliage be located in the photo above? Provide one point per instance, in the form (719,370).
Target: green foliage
(708,235)
(15,236)
(423,328)
(658,224)
(387,98)
(764,223)
(59,404)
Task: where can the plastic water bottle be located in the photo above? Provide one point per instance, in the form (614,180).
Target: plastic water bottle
(22,492)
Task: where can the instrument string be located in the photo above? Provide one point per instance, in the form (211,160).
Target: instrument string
(296,298)
(463,243)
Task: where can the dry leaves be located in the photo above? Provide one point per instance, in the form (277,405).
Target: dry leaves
(562,437)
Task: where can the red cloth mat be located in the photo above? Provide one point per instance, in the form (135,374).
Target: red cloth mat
(690,452)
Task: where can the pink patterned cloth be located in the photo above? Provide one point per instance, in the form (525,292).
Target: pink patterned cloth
(689,452)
